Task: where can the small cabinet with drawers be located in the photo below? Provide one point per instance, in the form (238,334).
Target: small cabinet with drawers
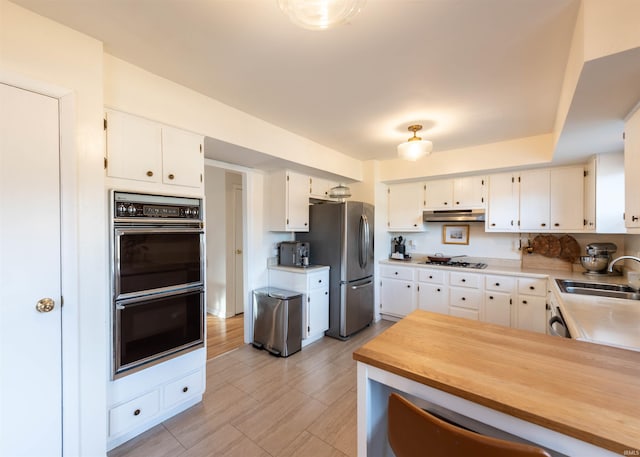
(532,302)
(498,299)
(433,291)
(465,294)
(313,284)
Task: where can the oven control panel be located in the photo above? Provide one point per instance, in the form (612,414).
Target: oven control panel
(128,205)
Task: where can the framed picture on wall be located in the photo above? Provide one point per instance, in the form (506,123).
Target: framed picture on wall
(455,234)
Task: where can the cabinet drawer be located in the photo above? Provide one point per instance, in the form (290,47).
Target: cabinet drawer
(465,280)
(431,276)
(318,280)
(397,272)
(499,283)
(183,389)
(532,286)
(465,298)
(133,413)
(464,312)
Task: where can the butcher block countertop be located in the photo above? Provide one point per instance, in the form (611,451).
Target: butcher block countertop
(587,391)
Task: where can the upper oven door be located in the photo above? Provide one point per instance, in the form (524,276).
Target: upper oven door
(157,259)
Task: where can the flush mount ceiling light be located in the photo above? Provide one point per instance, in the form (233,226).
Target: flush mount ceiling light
(415,147)
(320,14)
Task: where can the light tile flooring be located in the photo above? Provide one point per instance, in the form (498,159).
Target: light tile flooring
(259,405)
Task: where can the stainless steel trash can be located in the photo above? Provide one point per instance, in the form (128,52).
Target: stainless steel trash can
(277,320)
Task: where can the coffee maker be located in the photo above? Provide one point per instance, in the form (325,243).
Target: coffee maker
(398,248)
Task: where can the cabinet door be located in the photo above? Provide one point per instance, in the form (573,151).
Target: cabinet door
(297,196)
(632,170)
(469,192)
(439,194)
(405,203)
(497,308)
(566,199)
(534,200)
(319,188)
(318,311)
(502,203)
(433,297)
(532,313)
(397,297)
(134,147)
(182,158)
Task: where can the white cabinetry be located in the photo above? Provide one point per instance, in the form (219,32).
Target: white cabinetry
(455,193)
(397,290)
(288,201)
(503,203)
(604,183)
(142,400)
(632,171)
(433,291)
(499,294)
(320,188)
(404,207)
(146,151)
(465,294)
(313,284)
(531,304)
(552,200)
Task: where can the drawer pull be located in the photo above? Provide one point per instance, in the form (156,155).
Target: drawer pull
(430,276)
(319,281)
(137,412)
(408,286)
(185,389)
(497,284)
(326,293)
(395,273)
(171,176)
(149,173)
(463,299)
(463,280)
(524,302)
(490,297)
(438,290)
(532,288)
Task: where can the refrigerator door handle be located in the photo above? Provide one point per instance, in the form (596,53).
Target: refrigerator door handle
(360,286)
(363,233)
(367,239)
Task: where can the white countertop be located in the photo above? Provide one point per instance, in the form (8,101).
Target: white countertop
(602,320)
(308,269)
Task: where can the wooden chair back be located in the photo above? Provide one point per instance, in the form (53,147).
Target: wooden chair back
(414,432)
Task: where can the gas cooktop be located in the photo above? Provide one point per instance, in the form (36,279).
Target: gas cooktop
(477,266)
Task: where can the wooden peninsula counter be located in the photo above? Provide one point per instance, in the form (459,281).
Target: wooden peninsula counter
(571,397)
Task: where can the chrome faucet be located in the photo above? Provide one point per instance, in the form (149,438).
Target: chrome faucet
(630,257)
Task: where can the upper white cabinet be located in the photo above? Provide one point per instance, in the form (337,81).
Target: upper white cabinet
(632,170)
(552,200)
(404,207)
(320,188)
(288,201)
(503,203)
(464,193)
(143,150)
(603,186)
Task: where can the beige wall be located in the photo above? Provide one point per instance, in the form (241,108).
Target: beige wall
(610,26)
(131,89)
(42,55)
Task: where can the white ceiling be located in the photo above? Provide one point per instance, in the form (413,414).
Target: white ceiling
(471,71)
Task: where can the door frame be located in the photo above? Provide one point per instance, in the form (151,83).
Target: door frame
(238,230)
(69,284)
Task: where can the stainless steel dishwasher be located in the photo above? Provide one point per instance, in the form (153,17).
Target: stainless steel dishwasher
(277,320)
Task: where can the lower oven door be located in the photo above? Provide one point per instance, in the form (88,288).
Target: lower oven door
(152,329)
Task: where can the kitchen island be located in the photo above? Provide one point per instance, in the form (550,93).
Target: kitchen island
(571,397)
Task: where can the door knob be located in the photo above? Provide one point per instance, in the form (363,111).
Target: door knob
(45,305)
(238,251)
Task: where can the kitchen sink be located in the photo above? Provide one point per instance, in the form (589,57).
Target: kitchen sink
(601,290)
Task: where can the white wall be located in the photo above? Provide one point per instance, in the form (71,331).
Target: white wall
(43,54)
(215,226)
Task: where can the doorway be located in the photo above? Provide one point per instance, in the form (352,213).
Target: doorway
(30,246)
(225,197)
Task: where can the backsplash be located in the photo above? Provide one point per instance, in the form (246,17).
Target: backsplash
(500,245)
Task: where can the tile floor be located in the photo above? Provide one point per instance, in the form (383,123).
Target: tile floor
(259,405)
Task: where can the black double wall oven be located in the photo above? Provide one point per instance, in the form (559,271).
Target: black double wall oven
(157,279)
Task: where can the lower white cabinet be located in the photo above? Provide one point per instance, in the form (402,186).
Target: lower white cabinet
(142,400)
(313,284)
(532,304)
(511,301)
(397,290)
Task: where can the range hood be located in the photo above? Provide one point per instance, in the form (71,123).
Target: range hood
(453,215)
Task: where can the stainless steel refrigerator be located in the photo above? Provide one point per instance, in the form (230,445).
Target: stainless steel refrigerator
(341,236)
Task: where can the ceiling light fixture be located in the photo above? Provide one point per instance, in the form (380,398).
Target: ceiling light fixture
(415,147)
(320,14)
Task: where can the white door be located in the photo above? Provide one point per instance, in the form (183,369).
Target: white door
(30,340)
(239,262)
